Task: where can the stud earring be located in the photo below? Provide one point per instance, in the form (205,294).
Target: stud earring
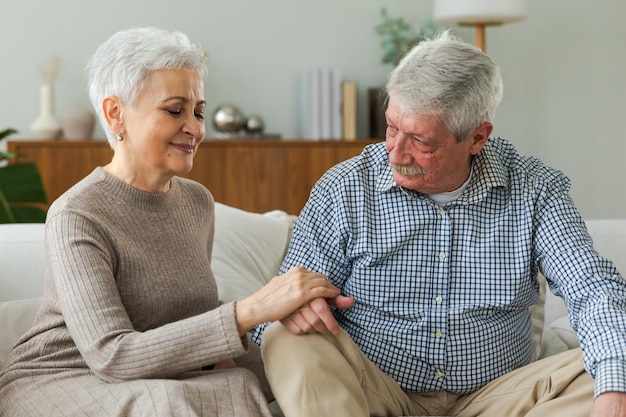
(119,137)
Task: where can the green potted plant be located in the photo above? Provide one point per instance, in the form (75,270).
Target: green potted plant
(22,195)
(398,37)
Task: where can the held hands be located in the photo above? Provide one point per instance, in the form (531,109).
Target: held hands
(316,317)
(282,296)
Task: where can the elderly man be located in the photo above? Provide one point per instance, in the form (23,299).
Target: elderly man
(435,239)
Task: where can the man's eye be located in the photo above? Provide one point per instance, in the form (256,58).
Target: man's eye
(422,147)
(174,112)
(200,116)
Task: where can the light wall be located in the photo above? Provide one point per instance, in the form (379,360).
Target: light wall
(563,68)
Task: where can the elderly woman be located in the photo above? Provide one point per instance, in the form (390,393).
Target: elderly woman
(130,323)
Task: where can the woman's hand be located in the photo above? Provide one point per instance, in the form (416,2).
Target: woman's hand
(282,296)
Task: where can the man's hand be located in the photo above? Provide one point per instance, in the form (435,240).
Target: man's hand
(316,317)
(609,404)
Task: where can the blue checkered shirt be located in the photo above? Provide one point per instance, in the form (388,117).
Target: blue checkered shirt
(442,293)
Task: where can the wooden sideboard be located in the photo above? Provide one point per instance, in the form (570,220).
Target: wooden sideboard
(253,175)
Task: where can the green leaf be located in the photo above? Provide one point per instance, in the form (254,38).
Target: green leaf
(22,183)
(21,190)
(22,196)
(3,134)
(23,215)
(398,37)
(29,215)
(7,155)
(6,133)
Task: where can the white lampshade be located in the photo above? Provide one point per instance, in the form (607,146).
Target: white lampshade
(482,12)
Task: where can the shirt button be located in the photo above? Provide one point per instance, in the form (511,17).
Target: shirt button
(438,374)
(439,299)
(442,256)
(438,334)
(442,211)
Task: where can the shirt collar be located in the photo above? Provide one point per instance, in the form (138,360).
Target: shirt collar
(385,180)
(489,168)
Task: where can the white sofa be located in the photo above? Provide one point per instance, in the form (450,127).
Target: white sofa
(247,252)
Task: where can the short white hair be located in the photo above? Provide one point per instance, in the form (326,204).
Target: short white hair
(448,78)
(122,64)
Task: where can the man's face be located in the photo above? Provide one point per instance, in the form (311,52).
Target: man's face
(424,155)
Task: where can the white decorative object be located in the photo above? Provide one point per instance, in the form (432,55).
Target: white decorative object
(479,13)
(46,125)
(78,124)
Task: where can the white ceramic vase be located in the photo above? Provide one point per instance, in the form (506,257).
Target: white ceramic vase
(46,125)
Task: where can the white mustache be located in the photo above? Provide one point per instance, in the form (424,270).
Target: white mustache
(408,170)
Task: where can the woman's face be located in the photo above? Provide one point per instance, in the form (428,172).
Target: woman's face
(164,128)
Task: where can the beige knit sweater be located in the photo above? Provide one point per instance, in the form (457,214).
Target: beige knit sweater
(129,295)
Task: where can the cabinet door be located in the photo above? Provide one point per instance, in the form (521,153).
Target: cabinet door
(242,174)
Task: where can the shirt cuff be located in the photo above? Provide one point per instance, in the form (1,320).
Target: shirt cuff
(610,376)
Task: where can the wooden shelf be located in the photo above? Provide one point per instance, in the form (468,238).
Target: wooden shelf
(253,175)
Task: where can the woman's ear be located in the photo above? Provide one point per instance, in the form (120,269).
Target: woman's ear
(112,110)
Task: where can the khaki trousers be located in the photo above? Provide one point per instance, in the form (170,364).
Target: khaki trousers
(323,375)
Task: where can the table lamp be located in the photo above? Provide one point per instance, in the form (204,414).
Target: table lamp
(479,13)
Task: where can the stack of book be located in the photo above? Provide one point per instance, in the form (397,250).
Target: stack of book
(327,105)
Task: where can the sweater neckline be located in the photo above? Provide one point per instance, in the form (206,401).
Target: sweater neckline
(139,198)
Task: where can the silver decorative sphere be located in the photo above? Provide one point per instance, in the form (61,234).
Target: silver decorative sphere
(255,124)
(228,118)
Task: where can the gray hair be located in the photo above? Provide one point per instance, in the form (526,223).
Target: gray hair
(450,79)
(121,65)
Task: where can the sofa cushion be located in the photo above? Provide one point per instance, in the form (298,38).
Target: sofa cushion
(248,249)
(565,332)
